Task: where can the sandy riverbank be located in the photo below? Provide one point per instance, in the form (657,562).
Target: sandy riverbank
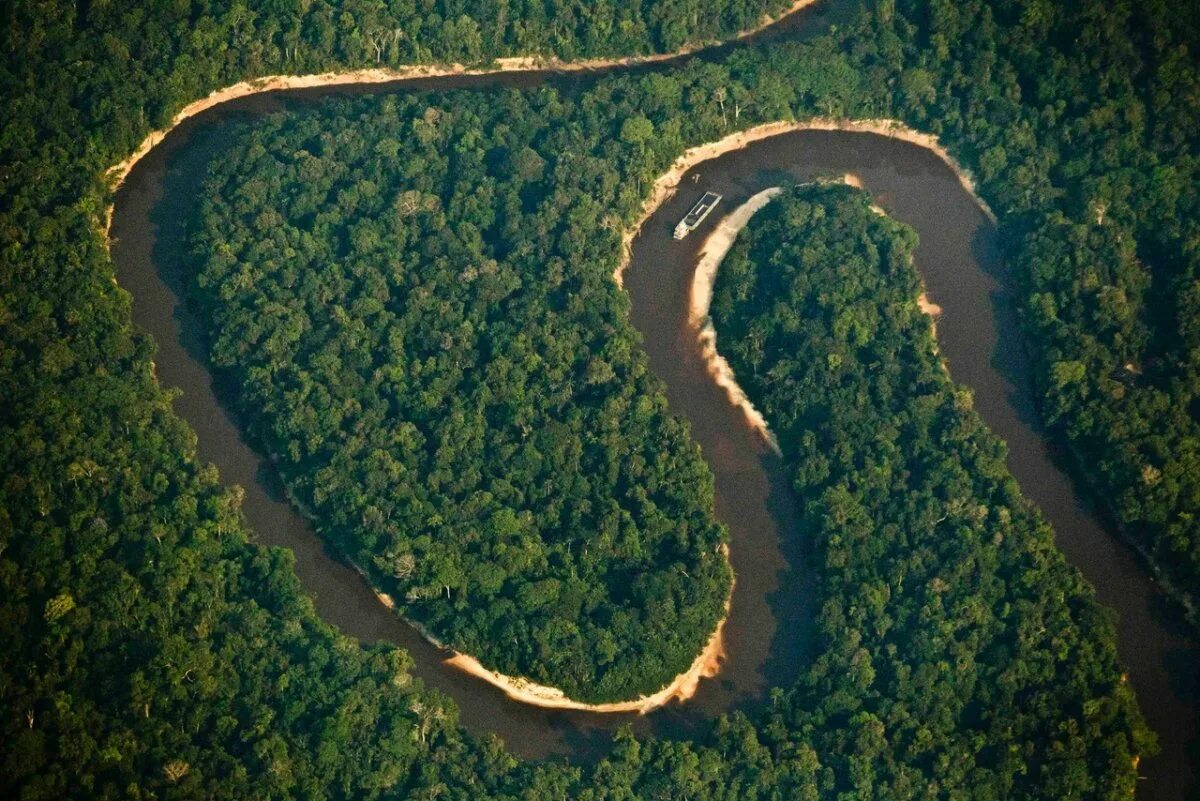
(666,184)
(270,83)
(927,306)
(713,252)
(706,665)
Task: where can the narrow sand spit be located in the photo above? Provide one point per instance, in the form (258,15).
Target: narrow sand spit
(716,246)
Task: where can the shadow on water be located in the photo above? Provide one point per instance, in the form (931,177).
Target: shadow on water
(795,600)
(1010,363)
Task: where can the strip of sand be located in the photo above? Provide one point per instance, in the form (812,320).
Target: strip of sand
(706,665)
(271,83)
(713,252)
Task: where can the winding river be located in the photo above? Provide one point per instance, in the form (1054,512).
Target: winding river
(768,631)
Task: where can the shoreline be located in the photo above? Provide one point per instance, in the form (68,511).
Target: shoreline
(706,665)
(116,174)
(716,246)
(665,185)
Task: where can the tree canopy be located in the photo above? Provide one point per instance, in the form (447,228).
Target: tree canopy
(404,292)
(951,624)
(152,650)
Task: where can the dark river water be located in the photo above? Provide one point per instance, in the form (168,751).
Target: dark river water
(768,630)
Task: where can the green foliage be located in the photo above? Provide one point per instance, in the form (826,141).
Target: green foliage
(958,644)
(191,666)
(445,375)
(1080,120)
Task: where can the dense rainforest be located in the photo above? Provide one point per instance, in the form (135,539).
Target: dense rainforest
(401,290)
(930,555)
(1079,119)
(152,650)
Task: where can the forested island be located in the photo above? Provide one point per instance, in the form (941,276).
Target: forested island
(151,649)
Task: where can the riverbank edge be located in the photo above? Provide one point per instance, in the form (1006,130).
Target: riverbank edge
(665,185)
(116,174)
(712,253)
(706,665)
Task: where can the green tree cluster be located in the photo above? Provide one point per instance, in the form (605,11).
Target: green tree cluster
(151,651)
(958,645)
(406,293)
(1079,120)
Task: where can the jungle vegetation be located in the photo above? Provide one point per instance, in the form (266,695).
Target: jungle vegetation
(945,598)
(412,307)
(153,650)
(1079,120)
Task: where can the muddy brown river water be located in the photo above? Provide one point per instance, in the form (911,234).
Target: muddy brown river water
(768,633)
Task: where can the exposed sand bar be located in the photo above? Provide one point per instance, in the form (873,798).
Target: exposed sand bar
(706,665)
(716,246)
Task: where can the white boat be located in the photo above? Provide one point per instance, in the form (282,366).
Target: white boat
(696,216)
